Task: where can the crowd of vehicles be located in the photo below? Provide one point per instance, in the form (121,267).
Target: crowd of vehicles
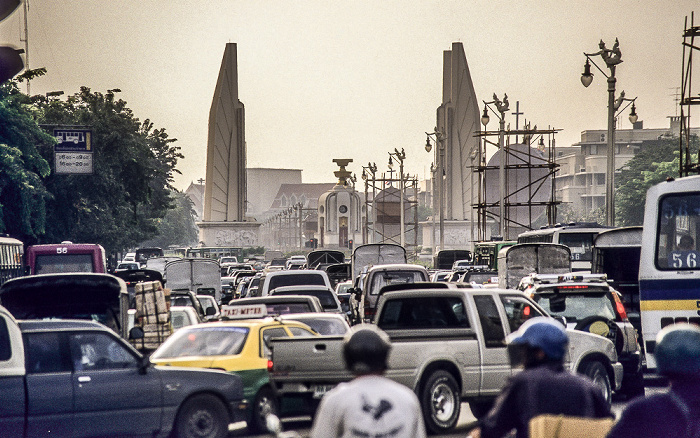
(448,324)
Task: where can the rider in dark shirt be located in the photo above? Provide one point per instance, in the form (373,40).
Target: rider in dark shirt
(675,414)
(544,386)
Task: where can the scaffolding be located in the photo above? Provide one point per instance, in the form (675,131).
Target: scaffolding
(688,165)
(382,204)
(521,197)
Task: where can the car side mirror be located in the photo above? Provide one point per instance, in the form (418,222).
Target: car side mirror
(561,319)
(144,363)
(210,311)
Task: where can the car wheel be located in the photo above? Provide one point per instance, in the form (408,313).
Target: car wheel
(265,403)
(202,416)
(597,373)
(440,402)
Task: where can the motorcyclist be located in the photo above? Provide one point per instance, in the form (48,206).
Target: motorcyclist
(544,386)
(677,412)
(370,404)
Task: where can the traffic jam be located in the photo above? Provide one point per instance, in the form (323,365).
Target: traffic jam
(202,342)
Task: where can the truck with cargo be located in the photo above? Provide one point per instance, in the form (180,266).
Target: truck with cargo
(97,297)
(79,379)
(448,345)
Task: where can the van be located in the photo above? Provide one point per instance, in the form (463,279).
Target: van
(302,277)
(365,300)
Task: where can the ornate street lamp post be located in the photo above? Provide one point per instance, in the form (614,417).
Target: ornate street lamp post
(440,138)
(612,57)
(400,156)
(502,107)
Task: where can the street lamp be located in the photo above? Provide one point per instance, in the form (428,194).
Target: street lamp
(612,57)
(400,156)
(502,107)
(439,138)
(367,171)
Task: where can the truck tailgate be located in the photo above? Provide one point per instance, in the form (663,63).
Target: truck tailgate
(317,359)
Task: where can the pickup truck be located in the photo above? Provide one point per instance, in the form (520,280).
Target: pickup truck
(79,379)
(448,345)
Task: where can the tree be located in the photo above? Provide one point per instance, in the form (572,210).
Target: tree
(22,167)
(121,203)
(178,227)
(654,163)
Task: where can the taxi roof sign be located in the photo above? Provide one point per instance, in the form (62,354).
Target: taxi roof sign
(244,312)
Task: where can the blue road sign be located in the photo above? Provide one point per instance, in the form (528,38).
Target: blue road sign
(76,140)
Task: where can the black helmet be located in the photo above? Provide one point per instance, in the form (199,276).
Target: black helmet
(366,349)
(678,350)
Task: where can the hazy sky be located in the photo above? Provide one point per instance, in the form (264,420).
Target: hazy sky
(352,79)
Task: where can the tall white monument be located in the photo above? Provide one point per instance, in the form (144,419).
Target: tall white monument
(224,221)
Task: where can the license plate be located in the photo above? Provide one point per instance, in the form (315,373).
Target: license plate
(320,390)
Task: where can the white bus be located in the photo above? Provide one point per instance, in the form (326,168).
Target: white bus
(577,236)
(669,267)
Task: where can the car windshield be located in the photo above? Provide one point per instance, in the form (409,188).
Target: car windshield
(480,277)
(203,341)
(287,308)
(575,307)
(207,302)
(297,279)
(326,326)
(385,278)
(326,297)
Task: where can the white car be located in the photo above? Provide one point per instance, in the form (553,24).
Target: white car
(130,257)
(182,316)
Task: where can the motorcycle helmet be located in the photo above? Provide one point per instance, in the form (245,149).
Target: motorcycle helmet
(366,349)
(541,333)
(677,350)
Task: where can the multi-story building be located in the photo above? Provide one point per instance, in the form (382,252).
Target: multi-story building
(580,183)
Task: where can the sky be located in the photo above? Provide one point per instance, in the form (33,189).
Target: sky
(325,79)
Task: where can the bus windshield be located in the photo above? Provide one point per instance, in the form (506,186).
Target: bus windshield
(56,264)
(679,225)
(580,244)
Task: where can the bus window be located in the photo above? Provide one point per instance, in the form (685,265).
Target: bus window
(580,244)
(56,264)
(679,223)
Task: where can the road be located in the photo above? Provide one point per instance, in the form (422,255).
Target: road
(302,424)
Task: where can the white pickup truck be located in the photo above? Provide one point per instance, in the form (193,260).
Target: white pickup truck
(448,346)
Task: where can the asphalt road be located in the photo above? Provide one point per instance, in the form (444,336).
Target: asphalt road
(302,425)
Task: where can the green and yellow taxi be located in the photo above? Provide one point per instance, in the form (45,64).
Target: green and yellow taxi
(239,346)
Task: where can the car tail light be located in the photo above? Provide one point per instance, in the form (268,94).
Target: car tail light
(620,307)
(270,366)
(369,312)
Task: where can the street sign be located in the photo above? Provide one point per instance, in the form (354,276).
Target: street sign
(73,151)
(73,162)
(77,140)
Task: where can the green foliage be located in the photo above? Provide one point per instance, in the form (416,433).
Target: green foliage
(654,163)
(178,227)
(22,193)
(123,201)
